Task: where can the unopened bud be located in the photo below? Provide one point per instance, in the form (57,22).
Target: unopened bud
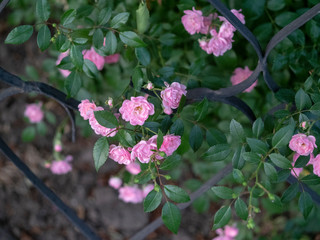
(250,224)
(149,86)
(109,102)
(256,210)
(244,184)
(167,177)
(54,25)
(156,187)
(271,197)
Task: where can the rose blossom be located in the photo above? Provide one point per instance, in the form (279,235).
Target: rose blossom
(112,58)
(316,165)
(98,129)
(119,154)
(94,57)
(133,168)
(170,144)
(131,194)
(206,24)
(33,112)
(142,151)
(110,102)
(64,72)
(86,108)
(302,144)
(137,110)
(193,21)
(237,13)
(147,189)
(171,96)
(229,233)
(295,170)
(57,147)
(62,166)
(240,75)
(150,86)
(115,182)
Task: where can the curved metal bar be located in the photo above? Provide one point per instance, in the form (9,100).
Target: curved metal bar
(9,92)
(47,192)
(3,4)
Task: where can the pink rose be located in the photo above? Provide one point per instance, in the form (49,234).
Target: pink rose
(94,57)
(316,165)
(62,166)
(218,45)
(295,171)
(33,112)
(64,72)
(193,21)
(226,30)
(133,168)
(115,182)
(131,194)
(150,86)
(119,154)
(171,96)
(57,147)
(206,24)
(112,58)
(137,110)
(170,144)
(229,233)
(147,189)
(98,129)
(86,108)
(143,151)
(241,74)
(237,13)
(302,144)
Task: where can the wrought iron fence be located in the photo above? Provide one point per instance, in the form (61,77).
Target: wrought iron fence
(224,95)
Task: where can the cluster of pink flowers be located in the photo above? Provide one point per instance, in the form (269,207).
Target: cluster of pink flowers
(34,113)
(87,109)
(304,145)
(241,74)
(130,194)
(229,233)
(137,110)
(219,42)
(144,150)
(91,55)
(171,96)
(60,167)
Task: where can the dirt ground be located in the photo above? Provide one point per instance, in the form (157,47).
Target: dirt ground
(25,214)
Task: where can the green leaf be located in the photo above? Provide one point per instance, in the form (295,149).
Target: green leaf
(276,5)
(137,78)
(302,100)
(111,43)
(257,146)
(236,130)
(177,128)
(305,204)
(171,162)
(195,138)
(315,109)
(19,34)
(159,139)
(68,17)
(143,56)
(73,83)
(76,56)
(90,69)
(285,18)
(80,40)
(283,175)
(97,38)
(241,209)
(171,217)
(311,179)
(222,217)
(214,136)
(120,19)
(143,17)
(28,134)
(43,38)
(125,138)
(257,127)
(41,128)
(167,39)
(251,157)
(143,177)
(223,192)
(104,16)
(237,159)
(152,201)
(271,172)
(201,204)
(201,110)
(313,30)
(280,160)
(302,161)
(51,118)
(106,119)
(254,9)
(218,152)
(100,152)
(238,176)
(131,39)
(42,10)
(282,137)
(176,193)
(290,193)
(62,43)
